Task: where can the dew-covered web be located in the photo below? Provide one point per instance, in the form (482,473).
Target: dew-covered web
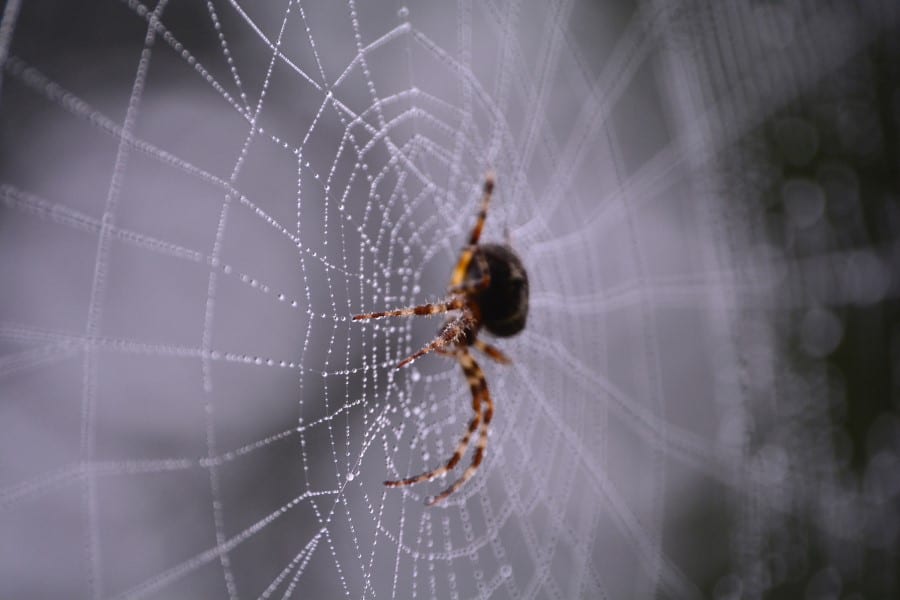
(197,197)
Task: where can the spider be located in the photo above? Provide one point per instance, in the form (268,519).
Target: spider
(489,288)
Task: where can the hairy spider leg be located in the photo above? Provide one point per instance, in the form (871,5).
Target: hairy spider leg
(423,309)
(463,443)
(459,272)
(482,214)
(452,331)
(476,380)
(492,352)
(477,285)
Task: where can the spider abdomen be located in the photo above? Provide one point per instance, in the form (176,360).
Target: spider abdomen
(504,303)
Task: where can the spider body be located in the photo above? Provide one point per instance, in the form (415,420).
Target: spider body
(503,303)
(489,289)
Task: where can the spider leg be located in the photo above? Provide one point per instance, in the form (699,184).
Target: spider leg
(452,331)
(482,214)
(463,443)
(459,272)
(422,309)
(476,379)
(492,352)
(478,285)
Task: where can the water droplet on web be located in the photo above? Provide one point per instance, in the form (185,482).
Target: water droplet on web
(820,332)
(403,13)
(864,278)
(506,571)
(350,476)
(804,201)
(415,375)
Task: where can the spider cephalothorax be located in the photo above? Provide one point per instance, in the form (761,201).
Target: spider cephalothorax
(489,288)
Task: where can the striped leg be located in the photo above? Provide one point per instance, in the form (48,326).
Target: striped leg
(462,266)
(453,331)
(424,309)
(482,214)
(463,443)
(492,352)
(476,381)
(477,285)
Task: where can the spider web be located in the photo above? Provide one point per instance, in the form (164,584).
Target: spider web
(198,196)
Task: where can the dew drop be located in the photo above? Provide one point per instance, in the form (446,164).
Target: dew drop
(820,332)
(864,278)
(841,187)
(804,201)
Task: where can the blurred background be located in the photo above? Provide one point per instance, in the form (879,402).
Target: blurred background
(196,197)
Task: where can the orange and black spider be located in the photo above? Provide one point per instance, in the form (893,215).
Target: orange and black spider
(489,288)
